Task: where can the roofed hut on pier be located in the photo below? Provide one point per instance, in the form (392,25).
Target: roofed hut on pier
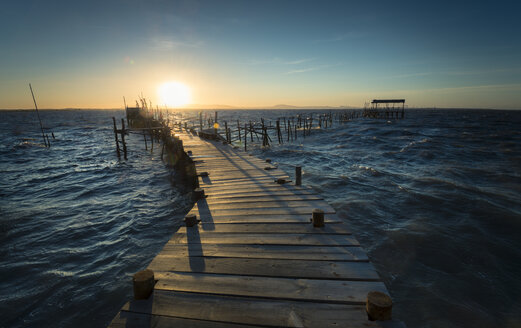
(386,108)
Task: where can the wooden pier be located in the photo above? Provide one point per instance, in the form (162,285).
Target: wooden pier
(261,252)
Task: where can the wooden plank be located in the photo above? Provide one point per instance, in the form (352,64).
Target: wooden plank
(195,237)
(239,175)
(275,228)
(224,169)
(232,194)
(208,219)
(333,291)
(288,252)
(245,310)
(362,271)
(230,183)
(125,319)
(245,190)
(274,203)
(257,211)
(240,181)
(212,200)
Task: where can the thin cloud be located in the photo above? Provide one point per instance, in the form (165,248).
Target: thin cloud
(303,70)
(341,37)
(279,61)
(168,44)
(309,69)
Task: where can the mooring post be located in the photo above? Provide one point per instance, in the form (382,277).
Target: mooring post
(143,282)
(123,138)
(198,193)
(379,306)
(317,217)
(190,220)
(298,175)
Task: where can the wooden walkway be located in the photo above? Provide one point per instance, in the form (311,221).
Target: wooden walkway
(255,259)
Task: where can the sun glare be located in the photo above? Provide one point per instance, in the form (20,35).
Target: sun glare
(174,94)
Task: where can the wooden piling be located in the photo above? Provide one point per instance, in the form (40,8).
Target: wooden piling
(38,114)
(143,282)
(379,306)
(317,218)
(239,130)
(245,137)
(116,136)
(298,175)
(190,220)
(123,138)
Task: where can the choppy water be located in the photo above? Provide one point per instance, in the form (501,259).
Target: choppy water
(435,199)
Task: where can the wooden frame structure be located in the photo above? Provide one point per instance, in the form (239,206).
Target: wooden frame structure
(387,109)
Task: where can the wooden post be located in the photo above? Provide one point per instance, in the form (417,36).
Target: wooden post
(298,175)
(317,217)
(197,194)
(379,306)
(200,121)
(239,130)
(288,129)
(123,138)
(143,282)
(145,138)
(38,114)
(116,136)
(278,131)
(226,131)
(190,220)
(245,137)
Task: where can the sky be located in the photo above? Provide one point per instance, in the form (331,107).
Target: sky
(91,54)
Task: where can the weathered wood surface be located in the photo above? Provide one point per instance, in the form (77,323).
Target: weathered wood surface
(255,259)
(250,310)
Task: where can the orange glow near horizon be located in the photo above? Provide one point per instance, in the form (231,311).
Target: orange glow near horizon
(174,94)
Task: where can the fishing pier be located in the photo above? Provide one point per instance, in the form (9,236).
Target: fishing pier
(389,108)
(256,250)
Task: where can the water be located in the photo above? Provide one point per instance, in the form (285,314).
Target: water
(435,199)
(75,223)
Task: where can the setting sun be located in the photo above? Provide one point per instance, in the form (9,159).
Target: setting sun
(174,94)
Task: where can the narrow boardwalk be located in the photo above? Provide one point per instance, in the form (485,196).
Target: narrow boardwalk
(255,259)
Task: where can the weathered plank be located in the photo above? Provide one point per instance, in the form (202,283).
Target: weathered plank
(245,310)
(257,211)
(195,237)
(274,203)
(209,218)
(125,319)
(269,268)
(288,252)
(245,190)
(275,228)
(334,291)
(277,194)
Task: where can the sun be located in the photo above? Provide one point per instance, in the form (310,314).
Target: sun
(174,94)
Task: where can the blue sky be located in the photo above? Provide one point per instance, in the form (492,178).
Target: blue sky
(255,54)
